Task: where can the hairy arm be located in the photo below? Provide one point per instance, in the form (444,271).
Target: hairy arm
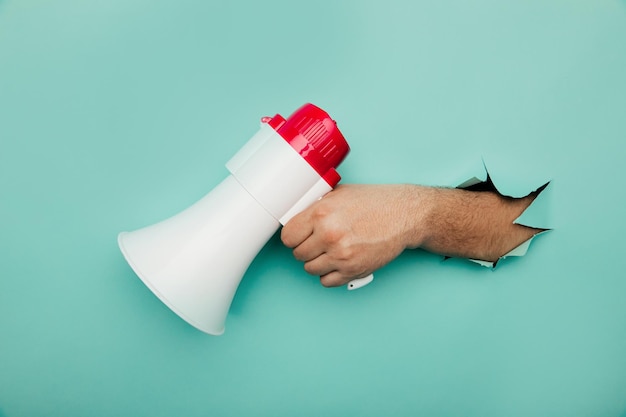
(356,229)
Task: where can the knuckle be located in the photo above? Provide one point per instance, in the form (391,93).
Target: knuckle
(320,212)
(328,226)
(332,235)
(344,250)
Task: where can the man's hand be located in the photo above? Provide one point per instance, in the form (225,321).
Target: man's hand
(356,229)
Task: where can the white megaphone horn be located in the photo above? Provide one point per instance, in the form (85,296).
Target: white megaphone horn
(195,260)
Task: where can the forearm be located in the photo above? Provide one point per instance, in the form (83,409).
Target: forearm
(468,224)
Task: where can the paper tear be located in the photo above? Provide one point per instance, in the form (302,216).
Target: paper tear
(470,176)
(520,250)
(537,215)
(512,178)
(486,264)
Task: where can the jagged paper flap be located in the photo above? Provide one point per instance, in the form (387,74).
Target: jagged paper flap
(471,175)
(539,213)
(513,178)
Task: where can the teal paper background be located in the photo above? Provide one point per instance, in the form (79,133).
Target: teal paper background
(117,114)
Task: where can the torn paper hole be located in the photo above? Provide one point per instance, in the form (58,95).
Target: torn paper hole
(537,214)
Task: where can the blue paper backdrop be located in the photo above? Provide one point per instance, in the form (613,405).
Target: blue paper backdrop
(117,114)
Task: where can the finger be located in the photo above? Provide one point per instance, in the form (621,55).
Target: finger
(296,231)
(333,279)
(310,249)
(337,278)
(321,265)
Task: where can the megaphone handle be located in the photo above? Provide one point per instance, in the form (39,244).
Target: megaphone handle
(355,284)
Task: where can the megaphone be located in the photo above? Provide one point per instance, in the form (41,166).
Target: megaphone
(194,261)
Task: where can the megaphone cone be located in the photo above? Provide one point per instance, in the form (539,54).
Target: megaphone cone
(195,260)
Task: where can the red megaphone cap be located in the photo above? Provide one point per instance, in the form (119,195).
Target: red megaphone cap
(316,137)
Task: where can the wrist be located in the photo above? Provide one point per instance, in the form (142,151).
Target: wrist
(420,208)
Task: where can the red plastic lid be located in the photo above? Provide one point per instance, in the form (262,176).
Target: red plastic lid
(316,137)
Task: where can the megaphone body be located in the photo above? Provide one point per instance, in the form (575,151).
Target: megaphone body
(195,260)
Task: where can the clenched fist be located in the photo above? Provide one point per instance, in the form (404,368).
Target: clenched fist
(354,230)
